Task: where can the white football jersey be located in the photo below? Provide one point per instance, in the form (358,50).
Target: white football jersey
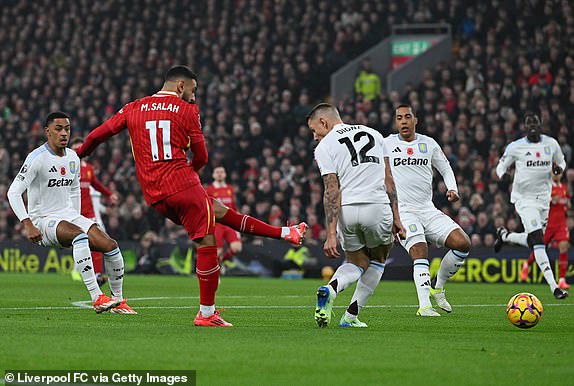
(533,163)
(412,167)
(52,182)
(355,154)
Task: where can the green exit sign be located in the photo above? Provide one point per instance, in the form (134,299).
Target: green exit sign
(410,47)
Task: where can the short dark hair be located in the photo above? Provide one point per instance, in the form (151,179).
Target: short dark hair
(317,108)
(76,140)
(405,106)
(180,72)
(55,115)
(530,114)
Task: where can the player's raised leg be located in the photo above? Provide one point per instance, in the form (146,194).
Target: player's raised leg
(295,234)
(536,242)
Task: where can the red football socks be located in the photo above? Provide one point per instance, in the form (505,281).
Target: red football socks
(207,269)
(562,264)
(530,258)
(97,258)
(247,224)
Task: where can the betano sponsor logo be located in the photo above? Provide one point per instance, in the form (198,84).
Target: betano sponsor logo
(53,182)
(410,161)
(538,163)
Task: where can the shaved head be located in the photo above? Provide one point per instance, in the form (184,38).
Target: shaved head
(323,110)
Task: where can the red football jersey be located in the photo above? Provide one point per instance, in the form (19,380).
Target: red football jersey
(558,204)
(162,127)
(225,194)
(87,179)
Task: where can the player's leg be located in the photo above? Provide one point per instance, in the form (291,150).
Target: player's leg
(377,232)
(233,240)
(563,264)
(114,261)
(418,250)
(243,223)
(458,243)
(69,234)
(548,235)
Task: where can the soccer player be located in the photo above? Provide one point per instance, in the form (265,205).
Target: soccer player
(535,156)
(51,175)
(556,230)
(224,234)
(161,128)
(88,179)
(412,158)
(352,161)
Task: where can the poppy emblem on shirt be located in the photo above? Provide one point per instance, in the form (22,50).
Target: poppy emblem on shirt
(410,151)
(63,171)
(537,154)
(547,150)
(423,147)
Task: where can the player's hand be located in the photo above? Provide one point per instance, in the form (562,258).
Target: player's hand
(114,199)
(399,230)
(556,170)
(452,196)
(330,247)
(32,232)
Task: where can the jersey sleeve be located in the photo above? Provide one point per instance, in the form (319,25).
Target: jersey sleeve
(106,130)
(75,196)
(386,146)
(193,125)
(441,163)
(324,161)
(558,156)
(25,177)
(507,159)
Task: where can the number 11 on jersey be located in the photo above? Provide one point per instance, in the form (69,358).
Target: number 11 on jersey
(165,127)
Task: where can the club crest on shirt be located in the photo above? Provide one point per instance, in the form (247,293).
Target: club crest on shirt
(51,223)
(73,167)
(534,223)
(413,227)
(547,150)
(63,171)
(423,147)
(410,151)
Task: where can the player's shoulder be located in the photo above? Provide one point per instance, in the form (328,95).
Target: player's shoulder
(517,143)
(37,154)
(72,154)
(548,139)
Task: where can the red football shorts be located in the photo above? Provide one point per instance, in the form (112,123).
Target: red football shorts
(225,234)
(556,233)
(191,208)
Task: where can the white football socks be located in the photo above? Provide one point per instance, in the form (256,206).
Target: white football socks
(366,286)
(344,276)
(421,276)
(450,264)
(84,265)
(517,238)
(114,263)
(544,264)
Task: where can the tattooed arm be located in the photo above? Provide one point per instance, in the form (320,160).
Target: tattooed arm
(392,193)
(332,204)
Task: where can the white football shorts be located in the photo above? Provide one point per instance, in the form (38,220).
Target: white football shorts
(533,213)
(365,225)
(47,226)
(426,225)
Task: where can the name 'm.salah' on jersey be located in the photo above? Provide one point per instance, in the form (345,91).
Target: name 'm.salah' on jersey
(161,127)
(355,154)
(412,167)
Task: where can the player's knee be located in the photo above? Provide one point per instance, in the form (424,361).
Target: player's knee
(236,248)
(419,251)
(535,238)
(364,265)
(464,244)
(80,239)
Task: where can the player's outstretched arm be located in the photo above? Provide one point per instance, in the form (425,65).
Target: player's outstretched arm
(106,130)
(441,163)
(332,204)
(398,228)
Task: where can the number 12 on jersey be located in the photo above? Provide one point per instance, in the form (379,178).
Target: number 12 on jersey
(165,127)
(363,157)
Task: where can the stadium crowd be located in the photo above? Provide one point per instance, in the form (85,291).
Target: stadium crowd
(262,65)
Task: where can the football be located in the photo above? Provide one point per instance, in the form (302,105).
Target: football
(524,310)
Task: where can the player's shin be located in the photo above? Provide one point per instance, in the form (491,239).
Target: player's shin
(544,264)
(562,265)
(83,259)
(517,238)
(450,264)
(115,268)
(366,286)
(421,276)
(344,276)
(247,224)
(207,269)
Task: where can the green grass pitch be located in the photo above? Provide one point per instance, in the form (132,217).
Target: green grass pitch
(275,340)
